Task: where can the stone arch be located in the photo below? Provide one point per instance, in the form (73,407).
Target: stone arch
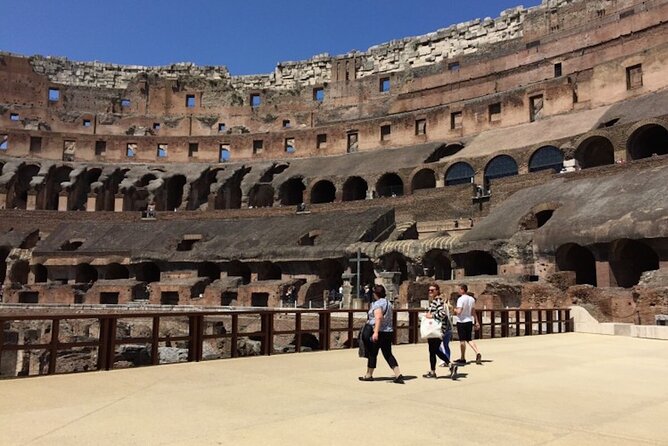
(238,269)
(595,151)
(330,271)
(546,158)
(291,192)
(78,198)
(208,269)
(395,262)
(40,273)
(230,196)
(629,259)
(355,188)
(173,192)
(500,167)
(4,252)
(459,173)
(437,264)
(390,185)
(17,191)
(538,216)
(201,188)
(147,272)
(323,191)
(573,257)
(54,179)
(477,263)
(85,273)
(648,140)
(19,272)
(268,271)
(261,196)
(137,197)
(115,271)
(423,179)
(106,196)
(444,151)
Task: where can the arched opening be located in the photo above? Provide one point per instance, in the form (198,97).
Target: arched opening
(477,263)
(106,195)
(53,186)
(330,272)
(355,188)
(500,167)
(323,192)
(459,173)
(629,259)
(261,196)
(136,197)
(573,257)
(437,264)
(539,216)
(4,252)
(390,185)
(424,179)
(40,273)
(546,158)
(85,273)
(174,192)
(115,271)
(595,151)
(147,272)
(237,269)
(292,191)
(648,140)
(19,272)
(443,151)
(200,189)
(229,196)
(268,271)
(208,269)
(17,191)
(395,262)
(79,196)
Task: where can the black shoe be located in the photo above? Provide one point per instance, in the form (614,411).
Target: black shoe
(460,361)
(453,370)
(478,359)
(399,380)
(365,378)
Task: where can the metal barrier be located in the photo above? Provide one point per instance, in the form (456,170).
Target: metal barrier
(205,326)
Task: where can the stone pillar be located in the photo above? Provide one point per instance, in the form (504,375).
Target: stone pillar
(31,202)
(211,202)
(118,203)
(603,276)
(459,273)
(62,200)
(347,290)
(440,182)
(3,198)
(91,201)
(369,194)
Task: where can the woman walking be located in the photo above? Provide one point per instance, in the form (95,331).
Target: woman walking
(379,323)
(438,309)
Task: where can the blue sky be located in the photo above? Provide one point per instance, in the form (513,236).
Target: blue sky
(248,36)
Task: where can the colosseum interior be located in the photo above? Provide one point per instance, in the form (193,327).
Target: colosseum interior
(525,155)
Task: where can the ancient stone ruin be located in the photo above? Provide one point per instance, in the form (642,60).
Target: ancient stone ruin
(525,155)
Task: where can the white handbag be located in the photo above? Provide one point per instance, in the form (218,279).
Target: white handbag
(430,328)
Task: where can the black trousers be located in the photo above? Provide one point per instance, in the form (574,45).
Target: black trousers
(384,345)
(434,351)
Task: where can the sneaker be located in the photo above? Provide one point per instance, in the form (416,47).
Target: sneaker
(453,371)
(429,374)
(478,359)
(399,380)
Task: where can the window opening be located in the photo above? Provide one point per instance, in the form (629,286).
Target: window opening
(69,150)
(353,140)
(221,127)
(4,142)
(193,148)
(290,145)
(188,241)
(557,70)
(125,103)
(54,95)
(109,298)
(86,122)
(459,173)
(156,126)
(131,150)
(258,146)
(319,94)
(385,132)
(384,85)
(455,120)
(421,127)
(535,107)
(634,77)
(224,153)
(453,66)
(162,151)
(190,101)
(321,141)
(35,143)
(255,100)
(13,116)
(495,112)
(286,123)
(100,147)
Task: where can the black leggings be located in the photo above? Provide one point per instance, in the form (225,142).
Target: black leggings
(434,350)
(384,344)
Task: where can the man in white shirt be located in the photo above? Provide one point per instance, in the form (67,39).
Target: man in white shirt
(466,319)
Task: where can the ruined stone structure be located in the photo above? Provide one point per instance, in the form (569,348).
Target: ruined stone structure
(524,154)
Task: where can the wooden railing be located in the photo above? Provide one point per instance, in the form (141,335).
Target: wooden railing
(48,344)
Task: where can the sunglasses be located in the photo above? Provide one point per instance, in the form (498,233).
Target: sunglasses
(432,289)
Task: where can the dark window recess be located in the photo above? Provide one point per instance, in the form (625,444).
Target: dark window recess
(100,147)
(190,101)
(385,132)
(453,66)
(495,112)
(353,141)
(28,297)
(193,148)
(533,44)
(455,120)
(71,245)
(384,85)
(626,14)
(169,298)
(255,100)
(258,146)
(557,70)
(319,94)
(321,142)
(188,241)
(634,77)
(259,299)
(286,123)
(35,144)
(108,298)
(221,127)
(14,117)
(156,126)
(421,127)
(54,95)
(86,122)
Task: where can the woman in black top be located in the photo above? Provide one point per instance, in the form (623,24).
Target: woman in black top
(438,309)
